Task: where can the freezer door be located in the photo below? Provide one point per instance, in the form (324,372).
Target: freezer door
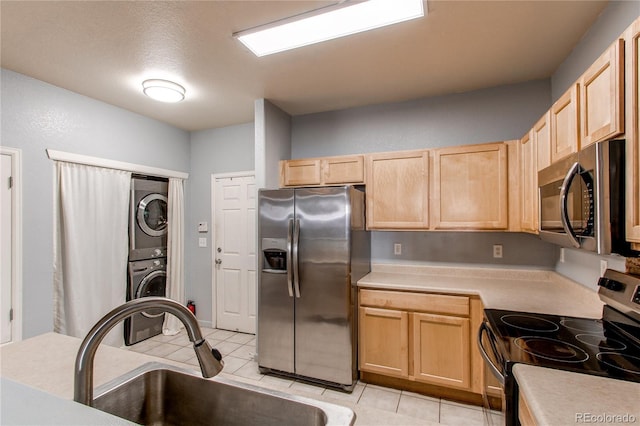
(275,335)
(323,332)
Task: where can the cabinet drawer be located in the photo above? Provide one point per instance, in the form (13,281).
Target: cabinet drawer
(422,302)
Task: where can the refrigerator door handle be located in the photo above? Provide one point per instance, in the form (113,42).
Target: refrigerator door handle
(289,263)
(296,240)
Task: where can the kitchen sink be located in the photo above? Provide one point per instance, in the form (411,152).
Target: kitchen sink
(160,394)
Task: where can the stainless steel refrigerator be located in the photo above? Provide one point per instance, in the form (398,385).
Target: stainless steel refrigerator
(314,248)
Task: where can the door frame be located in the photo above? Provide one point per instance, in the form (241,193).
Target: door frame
(214,288)
(16,240)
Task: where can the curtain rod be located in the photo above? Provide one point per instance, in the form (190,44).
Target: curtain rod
(113,164)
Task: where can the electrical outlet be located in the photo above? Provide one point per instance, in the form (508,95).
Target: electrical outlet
(603,267)
(202,242)
(497,251)
(397,249)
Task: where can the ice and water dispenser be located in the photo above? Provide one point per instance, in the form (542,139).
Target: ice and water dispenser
(274,253)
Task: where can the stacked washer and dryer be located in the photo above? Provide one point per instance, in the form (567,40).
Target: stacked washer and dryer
(147,271)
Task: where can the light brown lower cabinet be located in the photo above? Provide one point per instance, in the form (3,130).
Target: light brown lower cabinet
(441,350)
(524,413)
(384,336)
(423,339)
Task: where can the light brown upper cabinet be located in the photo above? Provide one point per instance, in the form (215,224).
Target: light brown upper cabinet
(602,97)
(565,134)
(300,172)
(529,184)
(470,186)
(343,170)
(340,170)
(541,137)
(398,190)
(632,73)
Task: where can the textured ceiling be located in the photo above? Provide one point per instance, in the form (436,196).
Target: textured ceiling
(105,49)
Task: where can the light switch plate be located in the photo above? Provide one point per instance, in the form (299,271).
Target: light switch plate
(203,227)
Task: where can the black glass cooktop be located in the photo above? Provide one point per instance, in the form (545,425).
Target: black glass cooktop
(591,346)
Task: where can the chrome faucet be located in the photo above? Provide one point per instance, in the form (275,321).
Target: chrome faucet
(210,359)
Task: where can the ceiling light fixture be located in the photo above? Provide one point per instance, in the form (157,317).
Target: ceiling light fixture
(163,90)
(339,20)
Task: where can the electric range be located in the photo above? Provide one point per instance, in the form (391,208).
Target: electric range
(607,347)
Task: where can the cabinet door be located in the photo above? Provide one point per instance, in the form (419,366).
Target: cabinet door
(529,181)
(470,187)
(632,45)
(564,125)
(542,140)
(398,190)
(384,341)
(337,170)
(441,350)
(602,97)
(300,172)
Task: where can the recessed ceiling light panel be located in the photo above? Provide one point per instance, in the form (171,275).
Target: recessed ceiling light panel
(328,23)
(163,90)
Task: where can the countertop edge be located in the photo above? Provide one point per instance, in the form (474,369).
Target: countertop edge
(576,397)
(524,290)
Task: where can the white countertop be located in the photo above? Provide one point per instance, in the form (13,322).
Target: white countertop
(39,372)
(18,402)
(557,397)
(522,290)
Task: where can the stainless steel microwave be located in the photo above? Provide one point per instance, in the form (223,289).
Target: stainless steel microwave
(581,199)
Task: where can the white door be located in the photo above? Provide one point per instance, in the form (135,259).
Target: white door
(6,232)
(234,252)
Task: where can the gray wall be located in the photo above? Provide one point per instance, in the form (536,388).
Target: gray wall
(499,113)
(581,266)
(37,116)
(224,150)
(519,250)
(272,142)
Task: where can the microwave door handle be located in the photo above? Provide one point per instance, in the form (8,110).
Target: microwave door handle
(296,253)
(289,263)
(564,209)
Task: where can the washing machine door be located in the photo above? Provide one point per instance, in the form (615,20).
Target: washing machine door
(154,284)
(152,215)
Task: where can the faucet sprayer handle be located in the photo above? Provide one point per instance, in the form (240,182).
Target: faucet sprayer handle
(216,354)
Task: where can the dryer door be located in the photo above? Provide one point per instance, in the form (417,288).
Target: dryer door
(152,215)
(154,284)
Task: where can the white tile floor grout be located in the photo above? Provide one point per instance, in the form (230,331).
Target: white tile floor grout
(372,404)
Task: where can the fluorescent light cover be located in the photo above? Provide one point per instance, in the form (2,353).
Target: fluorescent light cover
(163,90)
(316,26)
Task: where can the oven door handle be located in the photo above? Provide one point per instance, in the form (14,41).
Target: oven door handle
(483,352)
(564,204)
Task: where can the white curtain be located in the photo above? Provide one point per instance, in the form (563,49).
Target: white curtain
(175,252)
(91,247)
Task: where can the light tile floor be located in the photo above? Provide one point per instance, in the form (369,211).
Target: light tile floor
(374,405)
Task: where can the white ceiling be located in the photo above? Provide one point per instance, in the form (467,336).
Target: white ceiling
(105,49)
